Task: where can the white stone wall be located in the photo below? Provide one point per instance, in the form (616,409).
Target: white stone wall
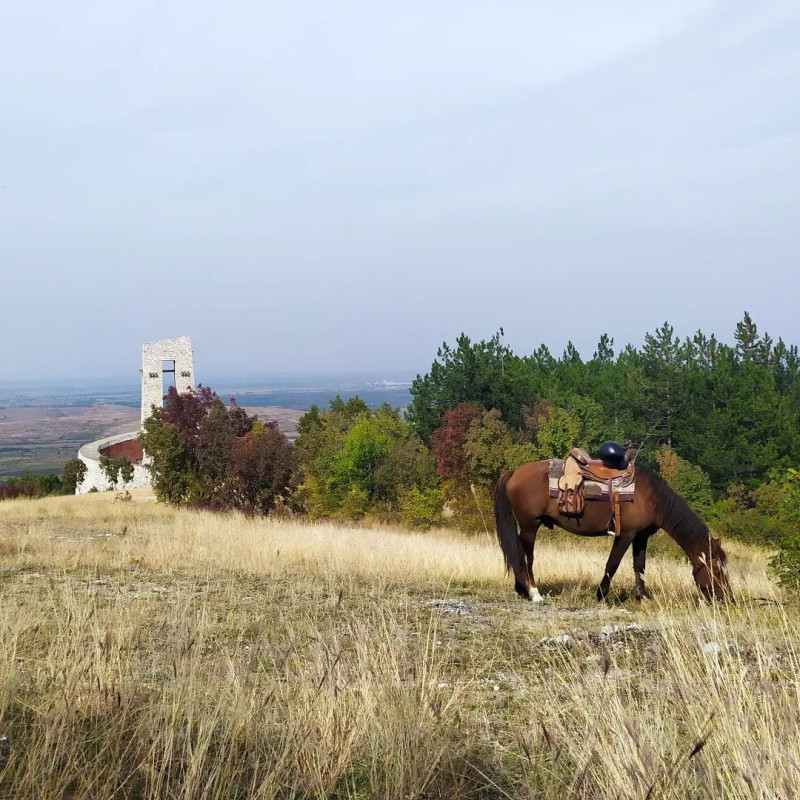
(95,478)
(178,350)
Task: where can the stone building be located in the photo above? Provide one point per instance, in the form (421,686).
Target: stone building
(169,362)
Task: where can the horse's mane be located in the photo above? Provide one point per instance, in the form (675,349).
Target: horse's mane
(677,519)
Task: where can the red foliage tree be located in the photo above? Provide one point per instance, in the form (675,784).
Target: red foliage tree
(259,469)
(187,411)
(452,461)
(206,454)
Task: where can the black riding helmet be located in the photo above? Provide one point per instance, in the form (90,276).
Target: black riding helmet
(613,455)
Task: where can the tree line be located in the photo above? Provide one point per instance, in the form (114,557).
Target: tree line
(720,421)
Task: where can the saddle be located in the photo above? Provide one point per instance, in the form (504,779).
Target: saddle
(580,478)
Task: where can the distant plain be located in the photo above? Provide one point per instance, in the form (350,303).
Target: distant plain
(40,439)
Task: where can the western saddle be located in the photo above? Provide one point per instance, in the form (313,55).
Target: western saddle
(579,470)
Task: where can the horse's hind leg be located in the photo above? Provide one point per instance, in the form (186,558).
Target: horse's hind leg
(528,537)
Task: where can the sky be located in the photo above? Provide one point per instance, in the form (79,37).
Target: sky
(323,187)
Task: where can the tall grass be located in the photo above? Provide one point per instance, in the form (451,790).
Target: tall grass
(153,653)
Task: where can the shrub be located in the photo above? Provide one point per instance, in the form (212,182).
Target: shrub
(487,444)
(206,454)
(449,443)
(421,508)
(260,467)
(353,461)
(31,486)
(117,470)
(787,562)
(687,479)
(74,473)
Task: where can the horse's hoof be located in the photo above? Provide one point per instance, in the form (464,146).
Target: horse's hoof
(601,596)
(645,595)
(534,595)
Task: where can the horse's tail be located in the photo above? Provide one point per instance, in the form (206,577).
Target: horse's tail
(507,525)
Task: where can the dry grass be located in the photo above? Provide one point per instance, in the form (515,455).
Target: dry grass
(152,653)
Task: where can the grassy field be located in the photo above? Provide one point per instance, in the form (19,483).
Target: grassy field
(152,653)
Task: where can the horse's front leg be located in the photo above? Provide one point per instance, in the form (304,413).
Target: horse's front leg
(639,558)
(618,550)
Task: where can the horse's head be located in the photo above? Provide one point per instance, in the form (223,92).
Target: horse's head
(710,573)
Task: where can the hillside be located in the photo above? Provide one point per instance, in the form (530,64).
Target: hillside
(150,652)
(40,439)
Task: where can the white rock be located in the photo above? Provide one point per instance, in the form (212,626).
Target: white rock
(711,648)
(562,638)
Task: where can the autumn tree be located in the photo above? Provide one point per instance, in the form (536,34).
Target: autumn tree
(449,441)
(204,453)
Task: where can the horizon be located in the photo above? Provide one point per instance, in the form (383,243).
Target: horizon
(280,380)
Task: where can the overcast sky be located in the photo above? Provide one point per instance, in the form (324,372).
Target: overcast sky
(322,186)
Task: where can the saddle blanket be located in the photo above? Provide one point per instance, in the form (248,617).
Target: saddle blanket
(593,489)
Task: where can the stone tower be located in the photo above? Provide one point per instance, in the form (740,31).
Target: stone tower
(170,359)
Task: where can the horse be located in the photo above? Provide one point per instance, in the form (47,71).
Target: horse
(522,498)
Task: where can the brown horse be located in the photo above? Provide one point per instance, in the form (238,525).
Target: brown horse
(522,496)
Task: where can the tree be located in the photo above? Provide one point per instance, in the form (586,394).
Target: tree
(661,396)
(449,441)
(604,355)
(687,479)
(487,446)
(484,373)
(74,473)
(204,453)
(747,341)
(117,470)
(260,468)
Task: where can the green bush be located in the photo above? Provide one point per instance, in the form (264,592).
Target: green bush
(74,473)
(117,470)
(787,562)
(422,508)
(687,479)
(353,462)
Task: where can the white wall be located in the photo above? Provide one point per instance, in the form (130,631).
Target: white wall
(95,478)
